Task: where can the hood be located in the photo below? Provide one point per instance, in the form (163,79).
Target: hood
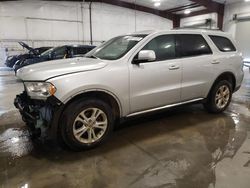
(25,45)
(36,59)
(46,70)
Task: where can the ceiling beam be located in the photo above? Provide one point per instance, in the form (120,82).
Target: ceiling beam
(181,8)
(133,6)
(176,21)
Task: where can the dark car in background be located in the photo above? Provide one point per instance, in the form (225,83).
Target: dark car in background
(60,52)
(32,52)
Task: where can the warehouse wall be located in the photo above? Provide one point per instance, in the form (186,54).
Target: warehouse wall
(111,20)
(230,10)
(42,23)
(239,29)
(38,24)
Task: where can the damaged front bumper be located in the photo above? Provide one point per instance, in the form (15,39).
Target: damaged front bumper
(40,116)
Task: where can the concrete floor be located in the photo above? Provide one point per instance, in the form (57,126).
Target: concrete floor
(183,147)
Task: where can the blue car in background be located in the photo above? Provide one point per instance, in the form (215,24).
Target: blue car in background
(32,52)
(60,52)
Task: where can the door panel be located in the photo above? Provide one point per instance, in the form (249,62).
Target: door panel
(197,63)
(154,84)
(158,83)
(197,77)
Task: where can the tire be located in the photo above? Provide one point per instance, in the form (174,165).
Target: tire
(79,116)
(215,103)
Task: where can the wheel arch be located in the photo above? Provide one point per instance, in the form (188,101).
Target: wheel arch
(101,94)
(229,76)
(107,96)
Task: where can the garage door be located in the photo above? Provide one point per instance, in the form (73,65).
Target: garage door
(243,39)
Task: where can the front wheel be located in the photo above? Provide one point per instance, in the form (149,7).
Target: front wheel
(219,97)
(86,124)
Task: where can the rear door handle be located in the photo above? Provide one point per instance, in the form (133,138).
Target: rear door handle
(173,67)
(215,62)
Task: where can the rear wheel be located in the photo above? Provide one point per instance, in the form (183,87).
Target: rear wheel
(219,97)
(86,124)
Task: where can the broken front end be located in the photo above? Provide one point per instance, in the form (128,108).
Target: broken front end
(39,108)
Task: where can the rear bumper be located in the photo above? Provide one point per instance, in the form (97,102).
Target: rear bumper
(40,116)
(239,80)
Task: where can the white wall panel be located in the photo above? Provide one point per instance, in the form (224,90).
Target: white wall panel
(230,10)
(146,21)
(65,31)
(243,39)
(40,9)
(239,30)
(40,20)
(109,21)
(39,29)
(12,28)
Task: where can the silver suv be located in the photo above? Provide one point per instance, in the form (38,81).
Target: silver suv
(79,100)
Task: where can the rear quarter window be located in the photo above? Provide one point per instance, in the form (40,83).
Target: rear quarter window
(223,44)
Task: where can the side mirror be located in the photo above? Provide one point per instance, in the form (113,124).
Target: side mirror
(145,56)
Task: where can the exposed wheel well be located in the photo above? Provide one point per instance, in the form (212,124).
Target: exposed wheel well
(101,95)
(229,77)
(225,76)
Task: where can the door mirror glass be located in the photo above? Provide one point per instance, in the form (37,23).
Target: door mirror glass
(145,56)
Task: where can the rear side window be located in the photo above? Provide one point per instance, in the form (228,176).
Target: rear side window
(223,43)
(191,45)
(163,46)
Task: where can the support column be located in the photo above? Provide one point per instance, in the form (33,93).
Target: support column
(176,21)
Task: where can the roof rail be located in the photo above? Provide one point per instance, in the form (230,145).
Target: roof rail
(195,28)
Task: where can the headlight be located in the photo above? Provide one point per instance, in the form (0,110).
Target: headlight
(39,90)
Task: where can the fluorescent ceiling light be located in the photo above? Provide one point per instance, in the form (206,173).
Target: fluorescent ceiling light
(156,4)
(187,11)
(247,0)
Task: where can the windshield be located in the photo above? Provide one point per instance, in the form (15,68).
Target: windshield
(47,52)
(116,47)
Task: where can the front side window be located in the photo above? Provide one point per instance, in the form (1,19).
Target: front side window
(163,46)
(49,51)
(223,43)
(192,45)
(116,47)
(60,52)
(56,52)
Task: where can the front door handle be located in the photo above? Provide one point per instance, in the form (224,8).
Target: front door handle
(215,62)
(173,67)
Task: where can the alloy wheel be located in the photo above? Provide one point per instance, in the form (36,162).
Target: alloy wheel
(222,96)
(90,125)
